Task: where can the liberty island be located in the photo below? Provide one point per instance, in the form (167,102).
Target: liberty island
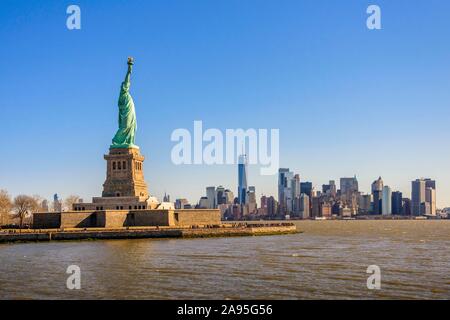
(126,202)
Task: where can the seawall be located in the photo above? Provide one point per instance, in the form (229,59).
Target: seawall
(225,230)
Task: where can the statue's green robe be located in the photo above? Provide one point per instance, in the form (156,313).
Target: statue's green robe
(125,136)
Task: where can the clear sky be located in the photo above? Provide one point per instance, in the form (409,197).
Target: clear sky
(347,100)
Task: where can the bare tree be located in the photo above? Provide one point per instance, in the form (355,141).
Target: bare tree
(24,205)
(5,205)
(69,201)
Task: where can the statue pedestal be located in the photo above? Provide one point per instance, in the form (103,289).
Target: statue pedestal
(125,174)
(125,187)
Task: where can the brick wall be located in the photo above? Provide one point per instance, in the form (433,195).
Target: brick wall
(189,217)
(46,220)
(149,218)
(125,218)
(79,219)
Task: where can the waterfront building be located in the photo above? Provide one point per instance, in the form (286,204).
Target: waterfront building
(397,202)
(425,208)
(377,201)
(315,212)
(336,208)
(345,212)
(430,198)
(377,194)
(325,210)
(406,206)
(417,196)
(430,195)
(386,203)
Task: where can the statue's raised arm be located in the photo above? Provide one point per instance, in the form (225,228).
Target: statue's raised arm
(130,67)
(126,82)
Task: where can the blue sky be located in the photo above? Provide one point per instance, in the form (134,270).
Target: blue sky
(347,100)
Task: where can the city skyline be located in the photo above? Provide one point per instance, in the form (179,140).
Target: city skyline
(347,100)
(298,199)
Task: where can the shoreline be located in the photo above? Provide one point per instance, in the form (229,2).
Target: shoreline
(224,230)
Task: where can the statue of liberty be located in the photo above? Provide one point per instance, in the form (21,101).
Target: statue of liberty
(125,136)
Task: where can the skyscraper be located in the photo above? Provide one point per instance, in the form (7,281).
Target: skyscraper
(386,202)
(306,188)
(333,188)
(271,206)
(406,206)
(203,203)
(220,195)
(397,202)
(364,203)
(57,203)
(229,196)
(348,185)
(242,179)
(304,206)
(377,185)
(430,197)
(286,185)
(211,195)
(251,199)
(430,184)
(296,186)
(329,189)
(417,196)
(349,190)
(377,191)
